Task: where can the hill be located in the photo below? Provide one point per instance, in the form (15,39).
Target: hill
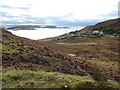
(27,27)
(23,53)
(33,27)
(88,62)
(107,27)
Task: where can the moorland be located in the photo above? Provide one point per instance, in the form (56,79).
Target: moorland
(80,59)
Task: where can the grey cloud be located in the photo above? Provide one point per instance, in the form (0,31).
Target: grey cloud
(55,20)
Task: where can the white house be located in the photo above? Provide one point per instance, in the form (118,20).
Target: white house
(97,32)
(75,34)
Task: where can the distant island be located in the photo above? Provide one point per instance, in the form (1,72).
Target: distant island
(33,27)
(27,27)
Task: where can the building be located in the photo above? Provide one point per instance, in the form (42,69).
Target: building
(75,34)
(97,32)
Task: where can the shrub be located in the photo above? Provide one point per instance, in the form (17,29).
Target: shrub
(98,75)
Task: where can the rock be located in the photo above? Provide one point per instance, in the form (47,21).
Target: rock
(72,55)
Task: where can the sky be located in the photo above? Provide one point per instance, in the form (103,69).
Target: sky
(57,12)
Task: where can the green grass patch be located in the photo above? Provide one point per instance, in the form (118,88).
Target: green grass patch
(12,47)
(8,49)
(32,79)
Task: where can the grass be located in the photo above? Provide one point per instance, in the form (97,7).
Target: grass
(31,79)
(78,39)
(8,49)
(98,75)
(14,48)
(104,64)
(76,43)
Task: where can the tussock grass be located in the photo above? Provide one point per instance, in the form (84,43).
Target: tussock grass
(31,79)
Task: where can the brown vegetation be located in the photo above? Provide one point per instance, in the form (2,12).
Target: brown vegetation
(91,56)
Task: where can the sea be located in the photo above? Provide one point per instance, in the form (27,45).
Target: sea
(42,33)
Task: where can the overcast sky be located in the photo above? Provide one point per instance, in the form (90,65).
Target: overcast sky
(57,12)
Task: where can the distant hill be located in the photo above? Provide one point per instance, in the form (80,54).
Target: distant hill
(33,27)
(28,27)
(107,27)
(50,27)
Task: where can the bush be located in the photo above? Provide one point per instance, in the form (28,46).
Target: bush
(98,75)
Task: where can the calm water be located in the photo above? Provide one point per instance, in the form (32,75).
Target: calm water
(41,33)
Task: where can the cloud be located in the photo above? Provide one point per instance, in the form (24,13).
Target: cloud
(16,3)
(57,11)
(80,9)
(13,12)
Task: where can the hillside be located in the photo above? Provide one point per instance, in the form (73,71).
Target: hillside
(108,27)
(88,62)
(22,53)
